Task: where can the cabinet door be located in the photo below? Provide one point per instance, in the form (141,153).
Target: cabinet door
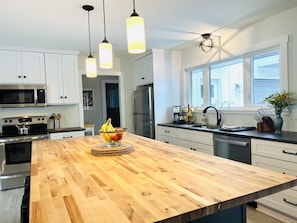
(33,71)
(10,67)
(168,139)
(54,79)
(21,67)
(65,135)
(204,148)
(70,79)
(276,150)
(62,79)
(144,70)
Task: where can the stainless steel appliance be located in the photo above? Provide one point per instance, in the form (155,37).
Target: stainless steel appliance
(15,148)
(143,114)
(178,117)
(231,147)
(234,148)
(12,96)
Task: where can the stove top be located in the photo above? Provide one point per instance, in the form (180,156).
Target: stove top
(24,126)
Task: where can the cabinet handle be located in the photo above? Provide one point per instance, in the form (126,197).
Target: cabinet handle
(142,78)
(24,76)
(61,97)
(19,76)
(67,137)
(166,131)
(65,97)
(289,202)
(290,153)
(166,142)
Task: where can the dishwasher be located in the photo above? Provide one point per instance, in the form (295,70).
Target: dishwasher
(232,147)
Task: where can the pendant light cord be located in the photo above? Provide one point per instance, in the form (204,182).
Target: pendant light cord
(134,12)
(89,34)
(104,23)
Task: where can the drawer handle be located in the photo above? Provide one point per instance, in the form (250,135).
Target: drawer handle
(166,131)
(289,202)
(67,137)
(290,153)
(166,142)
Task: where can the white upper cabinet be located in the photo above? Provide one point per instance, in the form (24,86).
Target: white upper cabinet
(144,73)
(62,78)
(18,67)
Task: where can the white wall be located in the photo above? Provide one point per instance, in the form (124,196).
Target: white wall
(69,114)
(233,40)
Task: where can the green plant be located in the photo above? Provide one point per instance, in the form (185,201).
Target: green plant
(280,101)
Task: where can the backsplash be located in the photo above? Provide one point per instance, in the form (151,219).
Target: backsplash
(69,114)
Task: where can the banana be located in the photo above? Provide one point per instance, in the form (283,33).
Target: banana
(107,127)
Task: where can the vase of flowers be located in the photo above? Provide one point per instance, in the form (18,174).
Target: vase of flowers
(280,102)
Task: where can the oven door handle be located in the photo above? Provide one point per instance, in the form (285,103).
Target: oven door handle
(233,142)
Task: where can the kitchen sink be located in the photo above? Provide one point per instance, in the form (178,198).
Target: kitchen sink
(198,125)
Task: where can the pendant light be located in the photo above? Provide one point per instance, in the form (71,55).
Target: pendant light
(91,66)
(135,33)
(105,49)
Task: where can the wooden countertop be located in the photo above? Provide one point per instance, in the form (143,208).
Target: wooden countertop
(157,182)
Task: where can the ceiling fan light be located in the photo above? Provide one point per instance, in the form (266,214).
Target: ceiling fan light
(91,67)
(206,43)
(135,35)
(105,55)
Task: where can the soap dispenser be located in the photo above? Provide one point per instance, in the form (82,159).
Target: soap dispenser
(204,121)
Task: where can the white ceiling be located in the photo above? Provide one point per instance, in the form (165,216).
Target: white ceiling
(62,24)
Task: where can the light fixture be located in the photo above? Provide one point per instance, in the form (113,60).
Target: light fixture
(91,66)
(105,49)
(206,43)
(135,33)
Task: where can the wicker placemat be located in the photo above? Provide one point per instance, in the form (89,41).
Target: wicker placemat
(103,150)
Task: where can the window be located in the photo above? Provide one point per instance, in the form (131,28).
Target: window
(237,83)
(226,81)
(196,87)
(266,75)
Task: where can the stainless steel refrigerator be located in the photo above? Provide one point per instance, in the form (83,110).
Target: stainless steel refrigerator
(143,115)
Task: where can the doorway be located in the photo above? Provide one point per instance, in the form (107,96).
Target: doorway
(113,103)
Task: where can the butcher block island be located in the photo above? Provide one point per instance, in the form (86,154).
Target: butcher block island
(157,182)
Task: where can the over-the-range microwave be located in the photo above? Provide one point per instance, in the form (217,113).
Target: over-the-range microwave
(12,96)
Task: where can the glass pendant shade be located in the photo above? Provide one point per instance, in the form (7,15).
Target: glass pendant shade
(91,67)
(105,55)
(135,34)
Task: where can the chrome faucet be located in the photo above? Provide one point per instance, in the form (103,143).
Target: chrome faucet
(219,117)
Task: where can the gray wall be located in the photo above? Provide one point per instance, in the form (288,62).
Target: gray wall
(95,115)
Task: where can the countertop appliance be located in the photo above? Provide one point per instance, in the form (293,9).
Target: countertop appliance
(15,148)
(143,115)
(178,117)
(12,96)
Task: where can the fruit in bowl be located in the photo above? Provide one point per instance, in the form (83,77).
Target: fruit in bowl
(111,135)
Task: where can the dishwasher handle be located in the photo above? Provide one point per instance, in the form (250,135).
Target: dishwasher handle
(233,142)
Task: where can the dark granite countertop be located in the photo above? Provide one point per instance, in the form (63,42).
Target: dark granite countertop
(72,129)
(285,136)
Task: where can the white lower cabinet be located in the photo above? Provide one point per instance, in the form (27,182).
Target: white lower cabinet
(196,140)
(279,157)
(168,135)
(65,135)
(191,139)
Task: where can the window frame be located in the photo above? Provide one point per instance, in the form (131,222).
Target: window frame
(280,44)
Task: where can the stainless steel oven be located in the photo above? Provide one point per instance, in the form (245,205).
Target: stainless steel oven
(15,148)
